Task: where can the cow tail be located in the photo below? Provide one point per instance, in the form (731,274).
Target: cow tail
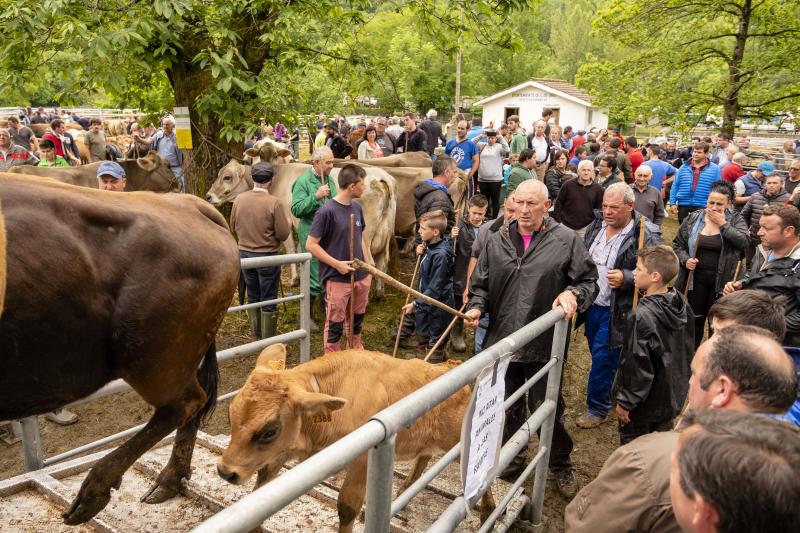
(208,376)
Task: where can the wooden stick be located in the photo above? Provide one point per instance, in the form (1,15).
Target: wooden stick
(402,314)
(444,334)
(641,245)
(736,274)
(408,290)
(352,280)
(691,272)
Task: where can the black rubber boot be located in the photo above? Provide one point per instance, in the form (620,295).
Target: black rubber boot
(269,324)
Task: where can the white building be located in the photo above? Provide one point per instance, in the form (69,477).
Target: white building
(571,106)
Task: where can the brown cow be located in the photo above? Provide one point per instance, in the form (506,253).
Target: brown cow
(282,415)
(148,173)
(268,150)
(105,286)
(410,159)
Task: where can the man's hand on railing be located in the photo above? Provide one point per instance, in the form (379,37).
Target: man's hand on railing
(568,302)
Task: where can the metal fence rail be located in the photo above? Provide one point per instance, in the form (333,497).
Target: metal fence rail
(31,439)
(377,437)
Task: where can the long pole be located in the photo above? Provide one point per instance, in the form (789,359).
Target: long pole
(351,311)
(402,315)
(444,334)
(400,287)
(736,273)
(641,245)
(691,272)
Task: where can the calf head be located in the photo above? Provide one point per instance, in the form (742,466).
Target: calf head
(267,420)
(269,152)
(232,180)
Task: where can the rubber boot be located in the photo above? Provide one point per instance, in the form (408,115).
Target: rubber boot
(255,325)
(313,325)
(457,337)
(438,356)
(269,324)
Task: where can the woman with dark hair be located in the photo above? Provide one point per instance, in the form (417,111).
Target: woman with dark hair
(557,174)
(368,148)
(710,242)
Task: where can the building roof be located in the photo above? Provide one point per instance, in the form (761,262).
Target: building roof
(557,87)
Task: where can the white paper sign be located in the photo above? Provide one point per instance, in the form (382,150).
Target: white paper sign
(482,430)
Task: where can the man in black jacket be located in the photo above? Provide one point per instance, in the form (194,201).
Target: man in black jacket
(412,139)
(338,145)
(776,265)
(612,240)
(529,266)
(433,131)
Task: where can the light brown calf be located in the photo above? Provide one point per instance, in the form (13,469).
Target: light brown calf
(281,415)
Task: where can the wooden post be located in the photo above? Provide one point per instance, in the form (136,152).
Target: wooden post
(736,273)
(400,287)
(351,310)
(402,314)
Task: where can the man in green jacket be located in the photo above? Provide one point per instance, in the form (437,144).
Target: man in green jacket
(309,192)
(523,170)
(519,141)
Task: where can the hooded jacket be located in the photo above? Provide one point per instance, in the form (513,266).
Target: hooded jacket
(751,212)
(622,298)
(734,243)
(516,285)
(657,352)
(430,195)
(780,276)
(436,272)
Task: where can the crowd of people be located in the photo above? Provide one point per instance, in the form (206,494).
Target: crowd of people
(708,321)
(57,146)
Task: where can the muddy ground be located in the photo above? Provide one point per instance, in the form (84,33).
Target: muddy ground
(116,413)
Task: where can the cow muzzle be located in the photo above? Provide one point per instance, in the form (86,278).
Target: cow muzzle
(213,199)
(229,476)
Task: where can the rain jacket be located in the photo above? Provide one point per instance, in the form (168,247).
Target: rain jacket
(734,242)
(516,285)
(657,352)
(431,195)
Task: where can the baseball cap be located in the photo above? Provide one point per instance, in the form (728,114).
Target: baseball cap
(333,125)
(767,167)
(262,172)
(111,168)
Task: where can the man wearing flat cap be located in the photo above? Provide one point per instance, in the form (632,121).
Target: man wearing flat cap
(261,223)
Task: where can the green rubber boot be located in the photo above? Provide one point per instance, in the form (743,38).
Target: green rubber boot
(269,324)
(255,323)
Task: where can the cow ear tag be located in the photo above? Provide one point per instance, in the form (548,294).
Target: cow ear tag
(272,358)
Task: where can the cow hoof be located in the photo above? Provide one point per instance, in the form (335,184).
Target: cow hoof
(159,494)
(86,504)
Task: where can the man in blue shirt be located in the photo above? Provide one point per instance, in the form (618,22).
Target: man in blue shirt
(661,169)
(165,142)
(477,129)
(465,153)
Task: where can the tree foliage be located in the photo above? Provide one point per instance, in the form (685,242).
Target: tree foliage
(685,59)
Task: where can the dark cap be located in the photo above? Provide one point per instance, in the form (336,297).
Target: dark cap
(262,172)
(490,133)
(333,125)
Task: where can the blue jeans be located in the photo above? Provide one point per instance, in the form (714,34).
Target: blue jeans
(261,283)
(604,361)
(480,333)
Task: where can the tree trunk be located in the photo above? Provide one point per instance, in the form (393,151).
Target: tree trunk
(209,151)
(731,105)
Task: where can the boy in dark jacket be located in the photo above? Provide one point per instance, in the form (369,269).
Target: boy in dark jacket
(435,281)
(465,233)
(657,349)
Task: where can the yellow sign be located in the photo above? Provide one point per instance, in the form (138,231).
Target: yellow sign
(183,127)
(184,138)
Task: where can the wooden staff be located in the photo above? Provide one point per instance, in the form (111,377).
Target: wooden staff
(736,273)
(444,335)
(691,272)
(408,290)
(351,310)
(402,315)
(641,245)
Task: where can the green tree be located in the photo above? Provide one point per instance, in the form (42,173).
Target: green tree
(230,62)
(685,59)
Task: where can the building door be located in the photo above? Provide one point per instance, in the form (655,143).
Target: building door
(510,111)
(556,114)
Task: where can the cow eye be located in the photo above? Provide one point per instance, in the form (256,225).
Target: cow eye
(226,178)
(267,435)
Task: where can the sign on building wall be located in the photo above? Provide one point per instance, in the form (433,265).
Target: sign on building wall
(183,127)
(535,96)
(482,431)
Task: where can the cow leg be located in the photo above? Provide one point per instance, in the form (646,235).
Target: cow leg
(95,492)
(291,248)
(179,467)
(408,248)
(420,464)
(351,495)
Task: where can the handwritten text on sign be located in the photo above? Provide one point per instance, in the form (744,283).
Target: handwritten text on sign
(482,430)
